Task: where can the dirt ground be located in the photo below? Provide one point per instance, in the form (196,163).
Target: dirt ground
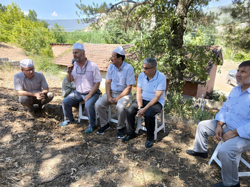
(39,152)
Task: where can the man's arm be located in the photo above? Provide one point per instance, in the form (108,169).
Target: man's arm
(139,97)
(125,92)
(108,89)
(38,95)
(45,90)
(92,91)
(158,94)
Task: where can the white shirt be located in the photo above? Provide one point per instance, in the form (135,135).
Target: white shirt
(149,87)
(121,77)
(235,112)
(85,77)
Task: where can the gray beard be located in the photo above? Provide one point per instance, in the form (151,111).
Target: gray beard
(246,81)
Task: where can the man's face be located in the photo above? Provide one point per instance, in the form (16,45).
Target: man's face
(28,72)
(114,58)
(79,55)
(243,76)
(148,70)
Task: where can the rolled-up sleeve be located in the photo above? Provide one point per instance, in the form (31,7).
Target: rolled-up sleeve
(244,131)
(97,74)
(44,82)
(139,80)
(18,83)
(130,79)
(109,72)
(162,84)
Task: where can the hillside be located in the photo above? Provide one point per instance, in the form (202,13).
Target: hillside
(68,24)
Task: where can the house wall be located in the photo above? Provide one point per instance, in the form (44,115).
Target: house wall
(209,84)
(189,89)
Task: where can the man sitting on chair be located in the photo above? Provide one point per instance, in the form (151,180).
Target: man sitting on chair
(87,77)
(119,81)
(150,98)
(232,125)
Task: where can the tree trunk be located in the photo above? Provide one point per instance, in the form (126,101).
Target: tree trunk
(178,28)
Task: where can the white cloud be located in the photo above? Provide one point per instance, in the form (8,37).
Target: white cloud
(54,14)
(25,12)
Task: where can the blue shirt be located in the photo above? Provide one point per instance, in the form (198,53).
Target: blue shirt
(235,112)
(121,77)
(149,87)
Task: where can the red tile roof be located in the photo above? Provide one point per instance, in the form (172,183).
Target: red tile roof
(98,53)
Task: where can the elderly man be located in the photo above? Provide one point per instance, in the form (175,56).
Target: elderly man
(87,77)
(31,87)
(150,98)
(119,81)
(232,125)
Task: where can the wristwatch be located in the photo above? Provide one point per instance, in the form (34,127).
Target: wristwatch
(139,108)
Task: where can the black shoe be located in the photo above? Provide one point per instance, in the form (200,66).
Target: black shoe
(103,129)
(121,133)
(129,137)
(149,143)
(193,153)
(220,184)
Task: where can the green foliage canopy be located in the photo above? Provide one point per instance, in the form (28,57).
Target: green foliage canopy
(31,35)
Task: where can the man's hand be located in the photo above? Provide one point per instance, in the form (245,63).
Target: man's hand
(218,132)
(141,112)
(110,99)
(39,95)
(229,135)
(114,100)
(70,68)
(86,98)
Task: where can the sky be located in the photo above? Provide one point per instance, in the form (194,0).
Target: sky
(65,9)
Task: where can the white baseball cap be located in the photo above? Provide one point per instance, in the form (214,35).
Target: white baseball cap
(26,63)
(78,46)
(119,50)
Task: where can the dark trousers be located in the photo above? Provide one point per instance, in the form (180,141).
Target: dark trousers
(30,101)
(149,118)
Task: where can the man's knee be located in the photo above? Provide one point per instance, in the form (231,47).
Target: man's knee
(120,108)
(50,95)
(26,100)
(226,153)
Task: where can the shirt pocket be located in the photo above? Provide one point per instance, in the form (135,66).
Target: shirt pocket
(122,81)
(245,112)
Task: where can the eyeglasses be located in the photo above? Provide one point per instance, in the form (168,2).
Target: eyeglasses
(84,70)
(146,68)
(32,69)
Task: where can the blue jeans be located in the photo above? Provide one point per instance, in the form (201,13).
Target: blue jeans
(75,98)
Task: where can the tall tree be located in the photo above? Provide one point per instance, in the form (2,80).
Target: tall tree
(165,38)
(32,15)
(59,33)
(238,30)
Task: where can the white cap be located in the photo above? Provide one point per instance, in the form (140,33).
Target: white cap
(26,63)
(119,50)
(78,46)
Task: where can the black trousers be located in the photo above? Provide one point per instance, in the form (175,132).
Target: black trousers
(149,118)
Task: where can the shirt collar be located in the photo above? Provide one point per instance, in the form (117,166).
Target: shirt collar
(154,78)
(24,77)
(76,63)
(122,66)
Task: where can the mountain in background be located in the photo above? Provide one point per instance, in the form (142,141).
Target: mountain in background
(72,24)
(68,24)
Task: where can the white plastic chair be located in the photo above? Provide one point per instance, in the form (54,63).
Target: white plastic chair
(157,129)
(111,117)
(81,114)
(215,158)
